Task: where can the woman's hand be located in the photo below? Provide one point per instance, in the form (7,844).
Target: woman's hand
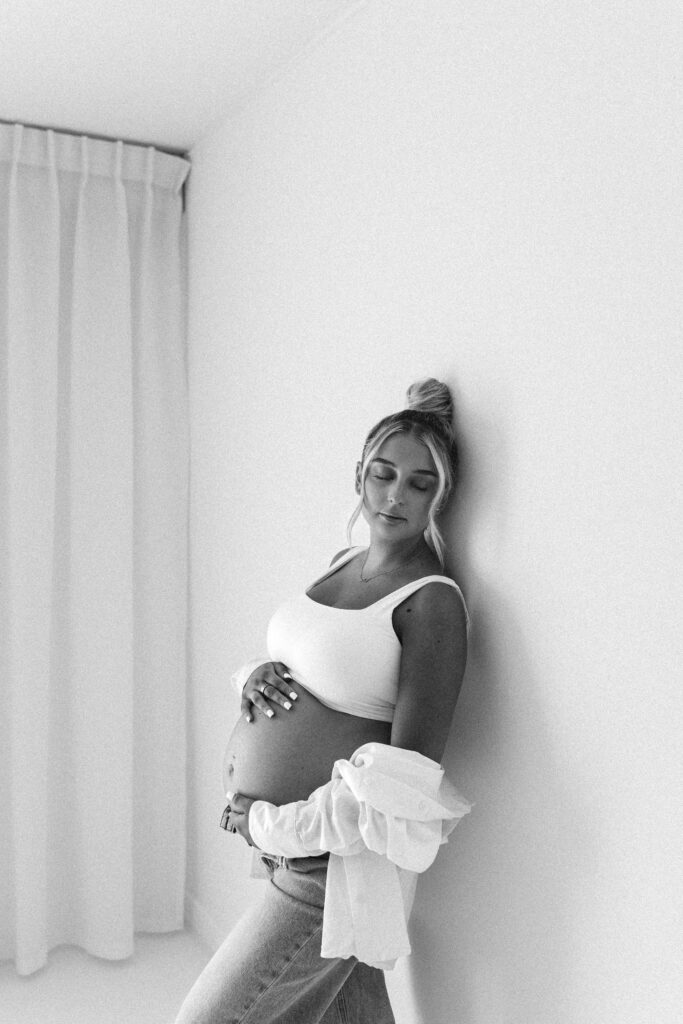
(269,684)
(237,816)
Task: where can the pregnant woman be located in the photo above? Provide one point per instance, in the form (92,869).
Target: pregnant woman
(332,770)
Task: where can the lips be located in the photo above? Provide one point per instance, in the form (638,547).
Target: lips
(393,519)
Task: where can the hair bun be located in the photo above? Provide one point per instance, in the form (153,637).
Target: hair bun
(433,397)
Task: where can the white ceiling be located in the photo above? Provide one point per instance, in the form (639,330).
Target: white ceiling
(157,72)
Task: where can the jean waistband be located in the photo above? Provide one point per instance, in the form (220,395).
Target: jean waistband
(294,863)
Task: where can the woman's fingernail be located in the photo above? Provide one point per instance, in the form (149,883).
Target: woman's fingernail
(248,718)
(287,705)
(229,795)
(270,713)
(292,695)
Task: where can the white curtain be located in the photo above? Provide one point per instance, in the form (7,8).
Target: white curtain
(93,544)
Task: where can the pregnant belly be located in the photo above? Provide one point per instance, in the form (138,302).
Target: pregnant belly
(284,758)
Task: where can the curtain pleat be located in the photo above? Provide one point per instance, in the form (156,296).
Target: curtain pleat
(93,546)
(31,404)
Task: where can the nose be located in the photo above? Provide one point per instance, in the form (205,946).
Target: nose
(396,496)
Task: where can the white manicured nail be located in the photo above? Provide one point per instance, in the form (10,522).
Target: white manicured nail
(270,713)
(287,705)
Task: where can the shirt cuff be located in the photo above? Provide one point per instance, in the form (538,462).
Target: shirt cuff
(273,829)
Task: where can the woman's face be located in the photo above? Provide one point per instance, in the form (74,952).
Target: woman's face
(399,487)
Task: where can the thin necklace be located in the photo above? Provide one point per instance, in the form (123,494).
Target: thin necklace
(387,572)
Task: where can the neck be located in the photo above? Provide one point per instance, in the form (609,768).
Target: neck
(385,554)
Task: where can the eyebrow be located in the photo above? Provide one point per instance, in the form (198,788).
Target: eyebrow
(425,472)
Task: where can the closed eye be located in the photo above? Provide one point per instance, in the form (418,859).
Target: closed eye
(417,487)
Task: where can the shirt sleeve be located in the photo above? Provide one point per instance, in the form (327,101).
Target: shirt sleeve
(397,805)
(325,823)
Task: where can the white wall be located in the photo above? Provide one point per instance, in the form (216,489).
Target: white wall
(486,193)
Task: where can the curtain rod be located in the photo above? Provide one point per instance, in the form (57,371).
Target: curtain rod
(171,150)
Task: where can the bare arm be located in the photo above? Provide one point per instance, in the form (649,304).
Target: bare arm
(434,642)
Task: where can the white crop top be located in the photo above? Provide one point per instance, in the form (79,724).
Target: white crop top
(348,658)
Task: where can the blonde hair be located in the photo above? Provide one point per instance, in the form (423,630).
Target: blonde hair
(429,418)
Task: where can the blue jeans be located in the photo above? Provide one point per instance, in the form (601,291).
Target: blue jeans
(269,969)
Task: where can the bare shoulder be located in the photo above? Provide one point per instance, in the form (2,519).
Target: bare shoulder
(437,607)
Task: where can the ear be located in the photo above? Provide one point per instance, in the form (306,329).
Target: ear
(358,469)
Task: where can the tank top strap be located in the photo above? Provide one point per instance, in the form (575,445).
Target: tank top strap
(392,600)
(337,564)
(346,557)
